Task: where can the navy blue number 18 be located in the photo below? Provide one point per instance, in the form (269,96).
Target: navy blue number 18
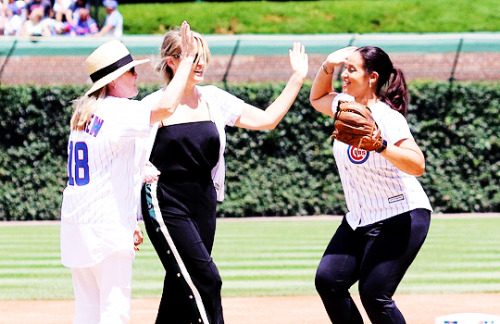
(79,152)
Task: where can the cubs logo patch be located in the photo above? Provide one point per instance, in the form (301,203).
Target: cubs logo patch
(356,155)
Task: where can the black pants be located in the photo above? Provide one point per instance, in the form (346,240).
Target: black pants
(192,286)
(378,256)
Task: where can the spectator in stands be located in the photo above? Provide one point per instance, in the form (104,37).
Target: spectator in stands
(82,25)
(35,25)
(114,20)
(10,19)
(74,7)
(10,5)
(48,18)
(3,18)
(22,5)
(44,4)
(61,10)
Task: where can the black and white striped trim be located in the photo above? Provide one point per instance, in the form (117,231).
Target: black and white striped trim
(154,211)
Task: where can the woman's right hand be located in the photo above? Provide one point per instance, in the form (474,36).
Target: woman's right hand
(338,57)
(322,92)
(188,43)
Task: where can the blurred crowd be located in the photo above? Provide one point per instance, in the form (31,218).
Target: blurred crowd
(57,18)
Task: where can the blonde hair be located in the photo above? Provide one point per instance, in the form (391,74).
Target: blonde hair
(84,107)
(171,47)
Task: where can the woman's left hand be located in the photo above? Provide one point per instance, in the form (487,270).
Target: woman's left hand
(299,60)
(138,237)
(151,173)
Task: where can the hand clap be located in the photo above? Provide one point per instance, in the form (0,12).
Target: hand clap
(188,43)
(299,60)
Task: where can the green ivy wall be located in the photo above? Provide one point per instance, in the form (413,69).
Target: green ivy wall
(288,171)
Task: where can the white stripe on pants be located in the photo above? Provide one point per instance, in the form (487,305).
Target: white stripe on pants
(103,291)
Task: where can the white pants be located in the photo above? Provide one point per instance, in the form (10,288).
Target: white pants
(103,291)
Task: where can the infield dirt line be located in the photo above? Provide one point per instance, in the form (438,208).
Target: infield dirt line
(417,308)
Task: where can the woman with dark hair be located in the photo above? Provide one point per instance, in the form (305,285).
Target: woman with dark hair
(388,213)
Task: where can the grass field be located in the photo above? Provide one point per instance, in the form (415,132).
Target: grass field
(314,17)
(264,257)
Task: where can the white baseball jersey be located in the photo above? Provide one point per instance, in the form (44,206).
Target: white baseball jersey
(374,188)
(99,207)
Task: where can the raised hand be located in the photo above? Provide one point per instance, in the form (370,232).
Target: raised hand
(299,60)
(188,43)
(340,56)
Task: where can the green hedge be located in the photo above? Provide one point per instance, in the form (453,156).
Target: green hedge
(288,171)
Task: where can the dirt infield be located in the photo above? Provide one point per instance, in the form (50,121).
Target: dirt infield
(418,309)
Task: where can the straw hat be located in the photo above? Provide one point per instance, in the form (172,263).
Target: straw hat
(108,62)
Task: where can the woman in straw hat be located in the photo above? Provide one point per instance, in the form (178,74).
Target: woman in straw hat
(98,215)
(180,209)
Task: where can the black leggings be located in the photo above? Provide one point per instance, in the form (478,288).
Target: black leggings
(378,256)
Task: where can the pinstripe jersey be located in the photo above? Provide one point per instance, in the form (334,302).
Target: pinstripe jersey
(99,207)
(374,188)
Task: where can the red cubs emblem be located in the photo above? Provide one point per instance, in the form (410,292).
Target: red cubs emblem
(356,155)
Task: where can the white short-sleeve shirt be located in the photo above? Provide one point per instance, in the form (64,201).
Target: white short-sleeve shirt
(115,19)
(374,188)
(225,109)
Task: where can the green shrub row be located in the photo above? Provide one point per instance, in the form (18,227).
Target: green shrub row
(288,171)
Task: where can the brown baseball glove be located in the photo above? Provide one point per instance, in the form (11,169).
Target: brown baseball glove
(354,125)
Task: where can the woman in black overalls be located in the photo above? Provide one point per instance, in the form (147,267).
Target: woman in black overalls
(180,210)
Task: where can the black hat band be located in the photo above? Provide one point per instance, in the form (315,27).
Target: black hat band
(99,74)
